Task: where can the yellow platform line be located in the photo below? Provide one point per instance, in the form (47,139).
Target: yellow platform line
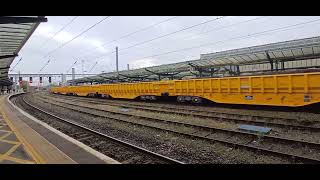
(11,150)
(17,160)
(21,161)
(5,131)
(35,156)
(6,135)
(7,156)
(10,142)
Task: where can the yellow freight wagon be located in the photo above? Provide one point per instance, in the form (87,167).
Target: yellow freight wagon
(276,90)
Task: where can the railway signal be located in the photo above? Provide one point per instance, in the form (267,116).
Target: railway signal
(40,79)
(30,80)
(49,79)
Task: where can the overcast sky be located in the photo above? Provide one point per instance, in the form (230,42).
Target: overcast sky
(216,33)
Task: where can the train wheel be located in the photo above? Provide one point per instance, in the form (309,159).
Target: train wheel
(105,96)
(153,98)
(196,100)
(180,99)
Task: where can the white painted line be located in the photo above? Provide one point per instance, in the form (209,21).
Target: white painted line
(99,155)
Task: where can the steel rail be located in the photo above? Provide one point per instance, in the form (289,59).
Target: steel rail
(217,115)
(145,151)
(250,147)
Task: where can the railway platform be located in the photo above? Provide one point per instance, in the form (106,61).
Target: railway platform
(26,140)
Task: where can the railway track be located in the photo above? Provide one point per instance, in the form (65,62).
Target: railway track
(118,149)
(221,116)
(300,151)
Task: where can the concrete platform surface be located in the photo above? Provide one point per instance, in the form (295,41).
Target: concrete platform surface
(12,151)
(27,140)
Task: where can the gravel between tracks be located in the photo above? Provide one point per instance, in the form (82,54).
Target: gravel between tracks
(278,132)
(121,153)
(304,117)
(178,147)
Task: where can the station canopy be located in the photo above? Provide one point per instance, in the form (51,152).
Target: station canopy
(14,33)
(299,49)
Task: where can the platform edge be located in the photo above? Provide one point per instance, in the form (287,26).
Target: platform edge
(97,154)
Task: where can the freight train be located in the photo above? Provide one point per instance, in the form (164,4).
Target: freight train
(292,90)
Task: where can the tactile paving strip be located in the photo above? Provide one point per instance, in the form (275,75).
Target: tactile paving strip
(12,150)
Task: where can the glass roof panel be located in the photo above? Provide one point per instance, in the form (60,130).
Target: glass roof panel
(230,60)
(239,59)
(296,52)
(246,58)
(253,57)
(316,49)
(287,53)
(261,56)
(278,54)
(307,50)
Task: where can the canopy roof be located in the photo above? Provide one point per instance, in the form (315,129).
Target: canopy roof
(307,48)
(14,33)
(287,50)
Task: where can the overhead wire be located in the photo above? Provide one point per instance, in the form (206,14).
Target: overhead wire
(16,64)
(223,27)
(72,65)
(135,32)
(162,36)
(45,65)
(50,39)
(60,30)
(93,66)
(77,36)
(233,38)
(218,28)
(215,29)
